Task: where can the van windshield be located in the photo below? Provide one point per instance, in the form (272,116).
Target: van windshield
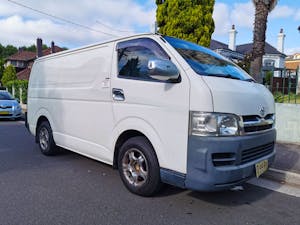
(206,62)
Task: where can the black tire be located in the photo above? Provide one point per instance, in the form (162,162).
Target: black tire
(141,177)
(45,139)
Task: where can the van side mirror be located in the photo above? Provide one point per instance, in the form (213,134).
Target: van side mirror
(163,70)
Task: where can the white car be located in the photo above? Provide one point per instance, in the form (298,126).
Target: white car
(9,107)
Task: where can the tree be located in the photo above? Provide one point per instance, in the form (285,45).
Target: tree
(9,50)
(32,48)
(9,74)
(262,9)
(1,67)
(245,63)
(186,19)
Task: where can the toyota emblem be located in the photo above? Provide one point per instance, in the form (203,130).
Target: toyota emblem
(262,111)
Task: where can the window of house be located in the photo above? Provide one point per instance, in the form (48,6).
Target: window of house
(269,63)
(133,57)
(20,64)
(14,63)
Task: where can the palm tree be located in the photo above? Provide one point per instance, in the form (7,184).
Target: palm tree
(262,9)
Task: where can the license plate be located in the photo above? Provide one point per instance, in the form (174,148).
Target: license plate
(261,167)
(4,113)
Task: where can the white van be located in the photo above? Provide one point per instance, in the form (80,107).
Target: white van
(160,109)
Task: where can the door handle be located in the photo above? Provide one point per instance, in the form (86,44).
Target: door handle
(118,94)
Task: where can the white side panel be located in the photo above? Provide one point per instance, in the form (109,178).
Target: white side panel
(74,89)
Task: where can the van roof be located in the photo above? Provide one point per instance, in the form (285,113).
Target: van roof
(95,44)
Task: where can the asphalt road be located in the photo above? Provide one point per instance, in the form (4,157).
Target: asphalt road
(71,189)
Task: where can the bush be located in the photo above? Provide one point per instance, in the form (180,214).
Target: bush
(269,75)
(23,84)
(279,97)
(9,74)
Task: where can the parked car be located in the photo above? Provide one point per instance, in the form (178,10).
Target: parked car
(159,109)
(9,107)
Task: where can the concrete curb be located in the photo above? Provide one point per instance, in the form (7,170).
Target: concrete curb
(282,176)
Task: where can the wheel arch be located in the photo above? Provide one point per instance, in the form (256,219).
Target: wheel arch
(42,115)
(126,135)
(127,130)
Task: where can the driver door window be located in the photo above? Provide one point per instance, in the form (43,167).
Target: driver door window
(133,57)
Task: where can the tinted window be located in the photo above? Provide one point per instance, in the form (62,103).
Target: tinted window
(133,57)
(5,96)
(206,62)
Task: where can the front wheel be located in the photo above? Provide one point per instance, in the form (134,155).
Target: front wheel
(45,139)
(138,167)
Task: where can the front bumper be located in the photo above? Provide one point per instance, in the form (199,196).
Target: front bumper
(218,163)
(207,170)
(10,113)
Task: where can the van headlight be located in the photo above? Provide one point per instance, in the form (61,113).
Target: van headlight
(214,124)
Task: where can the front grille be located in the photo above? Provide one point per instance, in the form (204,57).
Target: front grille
(257,152)
(254,123)
(257,128)
(223,159)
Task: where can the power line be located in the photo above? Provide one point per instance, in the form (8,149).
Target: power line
(111,28)
(62,19)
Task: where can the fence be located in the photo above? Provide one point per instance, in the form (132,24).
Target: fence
(19,94)
(284,84)
(18,89)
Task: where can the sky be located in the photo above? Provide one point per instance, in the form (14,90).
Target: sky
(73,23)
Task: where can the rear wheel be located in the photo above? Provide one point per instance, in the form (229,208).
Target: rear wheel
(45,139)
(138,167)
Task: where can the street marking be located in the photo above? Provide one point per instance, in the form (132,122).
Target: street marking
(275,186)
(21,122)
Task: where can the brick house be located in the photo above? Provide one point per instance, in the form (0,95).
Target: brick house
(23,60)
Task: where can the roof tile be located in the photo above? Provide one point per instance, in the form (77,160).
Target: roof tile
(48,50)
(22,56)
(24,74)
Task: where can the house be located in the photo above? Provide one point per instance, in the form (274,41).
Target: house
(292,62)
(20,60)
(223,49)
(23,60)
(273,58)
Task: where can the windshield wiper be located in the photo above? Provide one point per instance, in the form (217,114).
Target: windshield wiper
(224,75)
(250,80)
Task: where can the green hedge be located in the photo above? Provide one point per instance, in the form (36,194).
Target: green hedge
(292,98)
(23,84)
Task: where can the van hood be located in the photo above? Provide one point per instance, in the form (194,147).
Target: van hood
(240,97)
